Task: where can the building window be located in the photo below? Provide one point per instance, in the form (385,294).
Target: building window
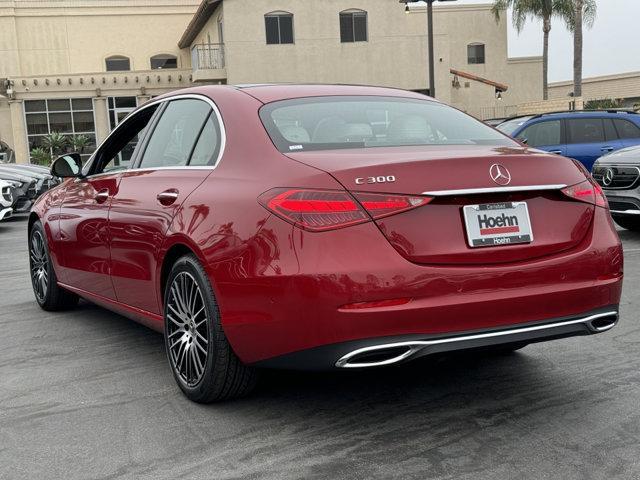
(353,26)
(118,63)
(475,53)
(119,108)
(69,116)
(160,62)
(278,27)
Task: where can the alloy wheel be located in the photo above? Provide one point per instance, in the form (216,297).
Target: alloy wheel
(39,265)
(187,329)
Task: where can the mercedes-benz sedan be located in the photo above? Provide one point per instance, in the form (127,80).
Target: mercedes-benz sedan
(323,227)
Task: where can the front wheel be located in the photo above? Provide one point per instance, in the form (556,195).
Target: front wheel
(628,222)
(49,295)
(201,359)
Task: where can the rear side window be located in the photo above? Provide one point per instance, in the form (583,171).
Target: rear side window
(175,134)
(207,148)
(586,130)
(325,123)
(626,129)
(541,134)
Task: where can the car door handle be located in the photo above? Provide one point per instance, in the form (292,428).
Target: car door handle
(168,197)
(606,149)
(102,195)
(557,152)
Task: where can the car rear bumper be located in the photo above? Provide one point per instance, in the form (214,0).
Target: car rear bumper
(379,352)
(291,294)
(5,213)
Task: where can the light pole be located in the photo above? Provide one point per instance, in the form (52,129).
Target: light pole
(432,73)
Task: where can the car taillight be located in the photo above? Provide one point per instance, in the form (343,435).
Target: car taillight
(589,192)
(382,205)
(321,210)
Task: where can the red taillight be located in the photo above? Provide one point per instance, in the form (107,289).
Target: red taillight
(589,192)
(320,210)
(382,205)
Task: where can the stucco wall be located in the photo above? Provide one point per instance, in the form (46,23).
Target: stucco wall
(395,54)
(45,38)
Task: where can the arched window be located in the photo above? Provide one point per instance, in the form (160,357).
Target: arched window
(279,27)
(475,53)
(118,63)
(353,26)
(163,61)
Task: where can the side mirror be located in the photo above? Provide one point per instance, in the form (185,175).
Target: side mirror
(69,165)
(525,141)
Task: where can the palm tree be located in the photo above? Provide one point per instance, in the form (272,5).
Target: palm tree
(79,142)
(583,13)
(40,156)
(532,9)
(56,142)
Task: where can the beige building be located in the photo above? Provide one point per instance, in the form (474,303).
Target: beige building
(79,66)
(623,86)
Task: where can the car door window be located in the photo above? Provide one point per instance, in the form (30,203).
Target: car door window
(207,148)
(586,130)
(626,129)
(541,134)
(118,150)
(609,130)
(174,136)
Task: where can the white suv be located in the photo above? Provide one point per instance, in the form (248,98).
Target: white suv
(6,199)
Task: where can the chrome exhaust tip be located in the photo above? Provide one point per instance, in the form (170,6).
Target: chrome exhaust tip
(603,322)
(378,356)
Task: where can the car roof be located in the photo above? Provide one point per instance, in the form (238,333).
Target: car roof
(581,113)
(267,93)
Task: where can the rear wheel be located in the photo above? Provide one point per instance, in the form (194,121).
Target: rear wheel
(628,222)
(48,294)
(201,359)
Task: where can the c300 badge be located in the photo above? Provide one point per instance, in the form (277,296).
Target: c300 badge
(380,179)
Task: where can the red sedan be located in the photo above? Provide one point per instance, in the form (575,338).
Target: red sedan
(320,227)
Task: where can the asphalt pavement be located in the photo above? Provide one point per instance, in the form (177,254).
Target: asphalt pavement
(87,394)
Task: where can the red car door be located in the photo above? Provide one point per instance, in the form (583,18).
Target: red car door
(151,195)
(84,213)
(83,234)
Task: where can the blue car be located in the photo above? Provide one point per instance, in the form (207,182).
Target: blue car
(585,135)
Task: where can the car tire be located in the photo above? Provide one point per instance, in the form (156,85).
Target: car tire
(49,295)
(630,223)
(200,357)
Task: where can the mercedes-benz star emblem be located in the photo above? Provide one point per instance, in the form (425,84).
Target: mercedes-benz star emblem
(607,178)
(500,174)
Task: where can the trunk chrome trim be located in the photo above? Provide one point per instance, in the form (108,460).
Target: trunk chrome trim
(474,191)
(415,346)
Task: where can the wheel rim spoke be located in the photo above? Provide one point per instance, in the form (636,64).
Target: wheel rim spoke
(187,331)
(39,264)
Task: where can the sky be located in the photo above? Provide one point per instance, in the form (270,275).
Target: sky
(611,46)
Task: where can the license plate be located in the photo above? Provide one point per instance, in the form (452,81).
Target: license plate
(496,224)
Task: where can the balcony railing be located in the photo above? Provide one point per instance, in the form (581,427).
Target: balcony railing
(207,56)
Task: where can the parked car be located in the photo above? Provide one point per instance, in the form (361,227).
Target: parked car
(494,122)
(619,176)
(42,175)
(25,192)
(6,200)
(584,135)
(324,227)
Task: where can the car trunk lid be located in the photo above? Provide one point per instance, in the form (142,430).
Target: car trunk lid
(456,176)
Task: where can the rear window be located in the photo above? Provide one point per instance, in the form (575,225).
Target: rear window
(510,126)
(326,123)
